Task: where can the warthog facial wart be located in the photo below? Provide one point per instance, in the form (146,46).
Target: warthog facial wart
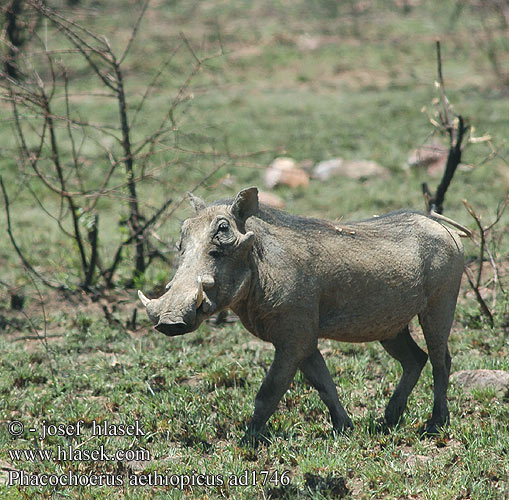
(292,280)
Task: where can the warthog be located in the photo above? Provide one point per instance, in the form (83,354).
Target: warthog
(292,280)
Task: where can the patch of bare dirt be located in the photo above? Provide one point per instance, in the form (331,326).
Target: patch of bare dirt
(48,314)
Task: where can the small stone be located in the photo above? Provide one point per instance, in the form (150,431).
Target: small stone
(284,171)
(431,156)
(481,379)
(353,169)
(329,168)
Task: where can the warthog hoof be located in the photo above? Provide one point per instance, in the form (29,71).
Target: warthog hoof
(344,428)
(431,429)
(253,440)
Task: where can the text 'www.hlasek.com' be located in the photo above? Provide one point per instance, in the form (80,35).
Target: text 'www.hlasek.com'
(80,436)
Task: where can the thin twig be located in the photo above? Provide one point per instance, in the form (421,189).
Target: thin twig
(44,337)
(152,83)
(36,4)
(435,202)
(133,32)
(446,118)
(110,272)
(483,248)
(79,43)
(190,48)
(484,308)
(134,213)
(58,220)
(482,234)
(25,262)
(192,190)
(58,167)
(69,132)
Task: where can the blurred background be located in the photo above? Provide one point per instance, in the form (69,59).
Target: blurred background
(126,106)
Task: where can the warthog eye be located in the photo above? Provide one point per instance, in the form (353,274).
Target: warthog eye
(223,227)
(223,236)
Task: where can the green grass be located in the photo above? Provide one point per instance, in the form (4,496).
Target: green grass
(358,94)
(193,396)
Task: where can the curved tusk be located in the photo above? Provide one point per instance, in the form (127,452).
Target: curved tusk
(208,281)
(199,296)
(144,299)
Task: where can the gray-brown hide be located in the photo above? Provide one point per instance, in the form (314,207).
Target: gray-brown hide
(293,280)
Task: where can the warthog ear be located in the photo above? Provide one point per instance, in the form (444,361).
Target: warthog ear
(245,204)
(197,203)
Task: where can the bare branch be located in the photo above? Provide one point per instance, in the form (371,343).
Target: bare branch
(150,86)
(50,13)
(190,48)
(44,337)
(133,32)
(194,188)
(456,134)
(484,308)
(92,238)
(475,283)
(109,273)
(69,132)
(57,163)
(81,45)
(58,168)
(134,214)
(25,262)
(446,117)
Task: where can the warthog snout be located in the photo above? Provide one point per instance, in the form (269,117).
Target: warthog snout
(170,328)
(178,312)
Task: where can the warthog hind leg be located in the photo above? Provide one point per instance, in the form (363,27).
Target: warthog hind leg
(412,359)
(436,324)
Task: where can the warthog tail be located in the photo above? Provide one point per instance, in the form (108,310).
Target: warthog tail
(465,232)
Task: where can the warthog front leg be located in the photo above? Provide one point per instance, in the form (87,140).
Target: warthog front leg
(276,383)
(412,359)
(316,371)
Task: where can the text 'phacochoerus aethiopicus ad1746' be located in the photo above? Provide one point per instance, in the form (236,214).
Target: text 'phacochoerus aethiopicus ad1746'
(292,280)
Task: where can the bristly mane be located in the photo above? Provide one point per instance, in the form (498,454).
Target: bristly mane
(283,219)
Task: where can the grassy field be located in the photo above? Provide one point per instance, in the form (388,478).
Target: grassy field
(312,80)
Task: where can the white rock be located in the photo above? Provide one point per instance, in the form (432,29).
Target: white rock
(284,171)
(324,170)
(354,169)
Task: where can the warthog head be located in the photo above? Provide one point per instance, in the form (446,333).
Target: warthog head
(213,270)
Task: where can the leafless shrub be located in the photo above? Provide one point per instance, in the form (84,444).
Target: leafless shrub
(54,131)
(482,239)
(453,126)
